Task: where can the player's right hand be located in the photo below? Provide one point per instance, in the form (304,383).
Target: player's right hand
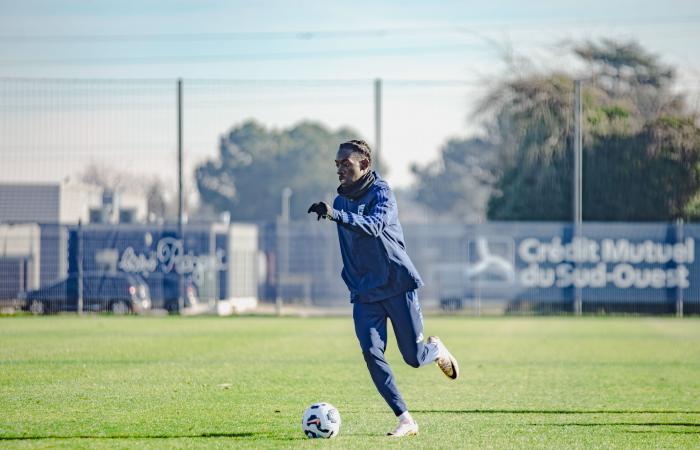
(322,209)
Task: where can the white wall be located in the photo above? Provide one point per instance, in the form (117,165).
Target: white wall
(243,261)
(23,241)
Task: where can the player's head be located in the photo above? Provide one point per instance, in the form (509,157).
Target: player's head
(353,160)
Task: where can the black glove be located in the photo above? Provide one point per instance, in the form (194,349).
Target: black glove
(322,209)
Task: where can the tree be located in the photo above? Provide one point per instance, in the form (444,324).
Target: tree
(459,183)
(626,71)
(657,167)
(158,206)
(640,145)
(530,126)
(254,165)
(114,180)
(528,129)
(622,66)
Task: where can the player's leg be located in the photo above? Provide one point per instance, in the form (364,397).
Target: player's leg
(370,328)
(409,348)
(407,321)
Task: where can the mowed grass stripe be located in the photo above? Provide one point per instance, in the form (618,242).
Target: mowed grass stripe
(139,382)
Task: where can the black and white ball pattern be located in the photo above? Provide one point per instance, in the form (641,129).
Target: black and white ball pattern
(321,420)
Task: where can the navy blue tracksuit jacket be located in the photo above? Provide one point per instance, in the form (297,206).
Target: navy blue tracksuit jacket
(375,263)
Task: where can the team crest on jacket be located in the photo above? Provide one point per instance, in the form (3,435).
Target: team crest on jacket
(361,209)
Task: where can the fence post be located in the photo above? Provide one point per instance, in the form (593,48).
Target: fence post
(377,119)
(578,186)
(680,235)
(282,247)
(80,267)
(180,196)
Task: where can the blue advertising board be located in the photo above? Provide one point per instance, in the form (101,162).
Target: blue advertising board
(158,254)
(606,262)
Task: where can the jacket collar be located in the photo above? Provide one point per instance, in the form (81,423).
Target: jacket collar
(359,187)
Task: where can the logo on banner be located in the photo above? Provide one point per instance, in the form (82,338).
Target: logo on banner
(491,262)
(590,263)
(170,256)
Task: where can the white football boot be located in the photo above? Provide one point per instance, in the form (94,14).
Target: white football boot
(445,361)
(407,428)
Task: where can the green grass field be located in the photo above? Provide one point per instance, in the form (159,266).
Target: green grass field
(245,381)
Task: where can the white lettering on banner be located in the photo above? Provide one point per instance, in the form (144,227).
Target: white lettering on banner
(622,276)
(536,276)
(586,263)
(131,262)
(171,256)
(648,252)
(626,276)
(532,250)
(581,276)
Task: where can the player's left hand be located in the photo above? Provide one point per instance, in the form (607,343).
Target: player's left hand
(323,209)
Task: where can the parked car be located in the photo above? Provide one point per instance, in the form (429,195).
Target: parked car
(119,293)
(165,291)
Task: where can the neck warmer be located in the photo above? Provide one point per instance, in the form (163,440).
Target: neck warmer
(358,188)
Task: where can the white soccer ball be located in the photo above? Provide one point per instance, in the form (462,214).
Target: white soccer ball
(321,420)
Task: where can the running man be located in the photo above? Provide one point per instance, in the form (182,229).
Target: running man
(381,278)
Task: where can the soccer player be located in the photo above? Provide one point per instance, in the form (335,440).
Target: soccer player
(381,278)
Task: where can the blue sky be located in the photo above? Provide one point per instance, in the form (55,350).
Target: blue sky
(312,40)
(439,39)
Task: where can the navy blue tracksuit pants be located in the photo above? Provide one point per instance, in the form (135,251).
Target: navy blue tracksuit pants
(371,329)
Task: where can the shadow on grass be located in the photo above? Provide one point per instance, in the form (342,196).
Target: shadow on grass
(662,431)
(128,436)
(615,424)
(641,424)
(553,411)
(690,425)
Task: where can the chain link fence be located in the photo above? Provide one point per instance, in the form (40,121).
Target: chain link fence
(93,218)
